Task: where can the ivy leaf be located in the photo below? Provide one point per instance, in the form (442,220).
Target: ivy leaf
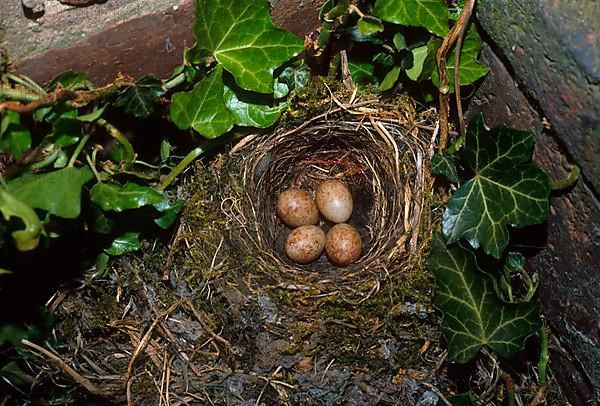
(204,107)
(506,189)
(138,99)
(114,197)
(57,192)
(473,314)
(390,78)
(445,165)
(384,59)
(399,42)
(241,36)
(470,69)
(293,77)
(123,244)
(362,73)
(71,80)
(462,399)
(429,14)
(419,56)
(27,238)
(14,137)
(250,114)
(169,212)
(369,25)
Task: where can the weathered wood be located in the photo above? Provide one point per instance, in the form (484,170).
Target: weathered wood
(566,250)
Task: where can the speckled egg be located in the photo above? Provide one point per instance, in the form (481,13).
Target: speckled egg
(296,207)
(343,245)
(334,200)
(305,244)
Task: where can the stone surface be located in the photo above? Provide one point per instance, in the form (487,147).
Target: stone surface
(133,37)
(566,252)
(553,48)
(130,37)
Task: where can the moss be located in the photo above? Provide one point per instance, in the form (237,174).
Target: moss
(105,309)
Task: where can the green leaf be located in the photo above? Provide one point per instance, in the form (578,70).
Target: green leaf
(204,107)
(470,69)
(362,73)
(9,333)
(114,197)
(445,165)
(357,36)
(390,79)
(241,36)
(71,80)
(92,116)
(384,59)
(250,114)
(506,189)
(165,149)
(13,373)
(399,42)
(473,314)
(102,223)
(28,237)
(138,100)
(419,56)
(169,214)
(14,137)
(369,25)
(429,14)
(514,284)
(294,77)
(462,399)
(123,244)
(66,131)
(58,192)
(102,263)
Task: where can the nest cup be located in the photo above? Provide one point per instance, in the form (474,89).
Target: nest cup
(380,158)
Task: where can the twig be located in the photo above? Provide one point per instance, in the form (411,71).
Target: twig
(467,10)
(144,342)
(450,40)
(89,386)
(77,98)
(120,137)
(208,329)
(57,96)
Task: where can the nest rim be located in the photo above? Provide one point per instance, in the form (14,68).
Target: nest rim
(394,147)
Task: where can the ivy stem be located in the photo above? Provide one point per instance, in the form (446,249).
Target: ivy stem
(176,81)
(450,40)
(119,136)
(543,364)
(204,146)
(17,94)
(567,181)
(27,82)
(510,390)
(78,150)
(93,168)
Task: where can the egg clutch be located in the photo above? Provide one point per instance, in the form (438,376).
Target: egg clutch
(306,242)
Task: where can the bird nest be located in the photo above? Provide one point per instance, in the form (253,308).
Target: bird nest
(378,150)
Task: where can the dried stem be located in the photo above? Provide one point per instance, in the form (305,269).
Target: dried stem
(451,40)
(77,98)
(89,386)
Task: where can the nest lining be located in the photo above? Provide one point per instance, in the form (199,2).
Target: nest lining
(377,154)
